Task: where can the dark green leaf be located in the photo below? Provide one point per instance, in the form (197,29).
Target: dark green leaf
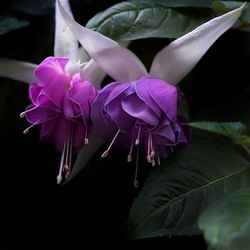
(234,130)
(143,19)
(226,223)
(10,23)
(225,6)
(176,193)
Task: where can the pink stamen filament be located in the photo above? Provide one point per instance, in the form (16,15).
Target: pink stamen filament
(59,176)
(129,158)
(27,129)
(137,141)
(86,140)
(26,111)
(65,164)
(136,168)
(158,160)
(106,152)
(148,151)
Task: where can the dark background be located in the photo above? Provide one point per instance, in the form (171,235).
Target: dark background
(92,209)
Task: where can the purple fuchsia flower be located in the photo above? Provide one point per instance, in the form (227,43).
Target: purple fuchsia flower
(141,108)
(61,105)
(63,90)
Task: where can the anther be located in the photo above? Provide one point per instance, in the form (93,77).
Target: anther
(59,179)
(105,154)
(129,158)
(136,183)
(86,141)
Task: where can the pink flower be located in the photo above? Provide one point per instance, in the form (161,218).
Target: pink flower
(61,104)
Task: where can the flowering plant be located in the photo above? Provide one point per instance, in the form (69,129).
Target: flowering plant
(141,106)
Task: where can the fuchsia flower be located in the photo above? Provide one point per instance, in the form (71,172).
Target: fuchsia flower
(61,104)
(141,108)
(61,95)
(141,112)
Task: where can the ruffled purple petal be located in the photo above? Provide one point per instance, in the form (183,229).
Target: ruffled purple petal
(47,129)
(39,114)
(136,108)
(101,120)
(164,94)
(79,135)
(142,93)
(61,132)
(34,91)
(49,68)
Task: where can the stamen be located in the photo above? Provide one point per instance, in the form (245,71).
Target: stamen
(153,163)
(149,159)
(59,176)
(27,129)
(136,184)
(158,160)
(106,152)
(67,166)
(129,158)
(148,151)
(22,115)
(86,140)
(137,141)
(26,111)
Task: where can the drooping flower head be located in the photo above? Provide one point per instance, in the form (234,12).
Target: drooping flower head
(141,108)
(143,111)
(62,95)
(61,105)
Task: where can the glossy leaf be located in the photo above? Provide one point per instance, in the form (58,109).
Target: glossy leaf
(236,131)
(138,19)
(226,223)
(176,193)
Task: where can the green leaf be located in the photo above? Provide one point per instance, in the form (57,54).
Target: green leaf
(226,223)
(236,131)
(176,193)
(225,6)
(10,23)
(138,19)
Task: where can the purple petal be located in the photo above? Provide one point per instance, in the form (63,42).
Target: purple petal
(47,129)
(49,68)
(79,136)
(61,132)
(142,93)
(101,120)
(136,108)
(34,91)
(39,114)
(113,106)
(165,95)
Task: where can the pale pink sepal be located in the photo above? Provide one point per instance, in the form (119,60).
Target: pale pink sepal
(66,44)
(17,70)
(112,58)
(176,60)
